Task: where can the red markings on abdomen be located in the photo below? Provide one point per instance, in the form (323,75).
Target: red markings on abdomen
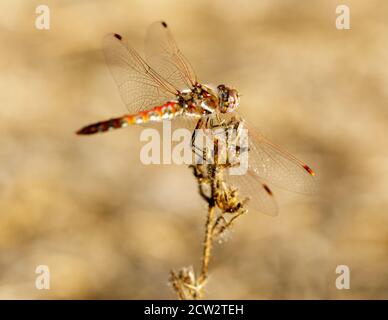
(103,126)
(165,112)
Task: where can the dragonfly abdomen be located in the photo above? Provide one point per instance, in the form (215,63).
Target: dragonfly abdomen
(103,126)
(166,111)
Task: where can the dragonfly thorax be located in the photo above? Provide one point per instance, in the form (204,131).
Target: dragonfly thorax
(202,100)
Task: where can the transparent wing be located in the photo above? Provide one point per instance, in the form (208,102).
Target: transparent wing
(165,57)
(260,196)
(249,185)
(276,166)
(140,86)
(267,165)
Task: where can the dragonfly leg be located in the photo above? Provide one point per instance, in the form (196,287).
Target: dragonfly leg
(203,182)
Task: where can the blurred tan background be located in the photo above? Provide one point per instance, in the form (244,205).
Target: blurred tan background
(109,227)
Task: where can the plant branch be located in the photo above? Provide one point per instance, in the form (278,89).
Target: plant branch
(219,195)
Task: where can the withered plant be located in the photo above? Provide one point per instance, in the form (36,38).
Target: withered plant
(224,202)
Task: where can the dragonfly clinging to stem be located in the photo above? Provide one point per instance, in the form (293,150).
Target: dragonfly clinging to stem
(165,87)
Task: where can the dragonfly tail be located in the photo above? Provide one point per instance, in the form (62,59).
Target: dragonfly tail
(107,125)
(166,111)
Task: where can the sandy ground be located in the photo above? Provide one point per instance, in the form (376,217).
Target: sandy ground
(108,226)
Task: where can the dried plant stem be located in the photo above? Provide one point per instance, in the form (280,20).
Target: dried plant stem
(224,207)
(207,246)
(175,284)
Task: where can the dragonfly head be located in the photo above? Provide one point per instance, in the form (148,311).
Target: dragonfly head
(228,98)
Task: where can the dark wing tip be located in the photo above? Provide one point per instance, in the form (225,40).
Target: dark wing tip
(164,24)
(117,36)
(309,170)
(266,188)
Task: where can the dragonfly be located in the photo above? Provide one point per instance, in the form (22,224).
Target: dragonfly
(164,86)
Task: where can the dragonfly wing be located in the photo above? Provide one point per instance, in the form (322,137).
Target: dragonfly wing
(260,195)
(277,166)
(248,184)
(140,86)
(165,57)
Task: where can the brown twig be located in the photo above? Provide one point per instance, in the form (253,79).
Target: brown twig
(207,247)
(218,194)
